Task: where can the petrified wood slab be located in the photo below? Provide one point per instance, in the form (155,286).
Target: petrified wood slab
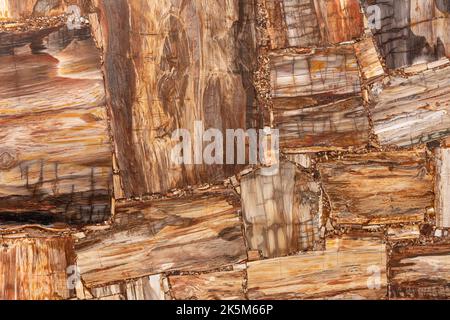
(16,9)
(292,23)
(20,9)
(306,23)
(146,288)
(351,267)
(35,268)
(163,72)
(282,211)
(404,232)
(226,285)
(55,154)
(413,110)
(316,100)
(378,188)
(412,30)
(304,160)
(420,272)
(442,187)
(327,72)
(197,233)
(334,126)
(368,60)
(339,20)
(423,66)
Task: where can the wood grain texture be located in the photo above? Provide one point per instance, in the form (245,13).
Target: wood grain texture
(23,9)
(199,233)
(404,232)
(35,268)
(327,72)
(310,23)
(227,285)
(292,23)
(341,124)
(420,272)
(316,100)
(163,72)
(413,110)
(350,268)
(368,60)
(378,188)
(304,160)
(146,288)
(442,187)
(55,154)
(181,231)
(339,20)
(281,212)
(14,9)
(412,30)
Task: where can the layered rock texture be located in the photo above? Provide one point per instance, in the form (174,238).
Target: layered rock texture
(93,205)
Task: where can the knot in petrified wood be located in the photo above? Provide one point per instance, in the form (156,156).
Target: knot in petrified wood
(8,159)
